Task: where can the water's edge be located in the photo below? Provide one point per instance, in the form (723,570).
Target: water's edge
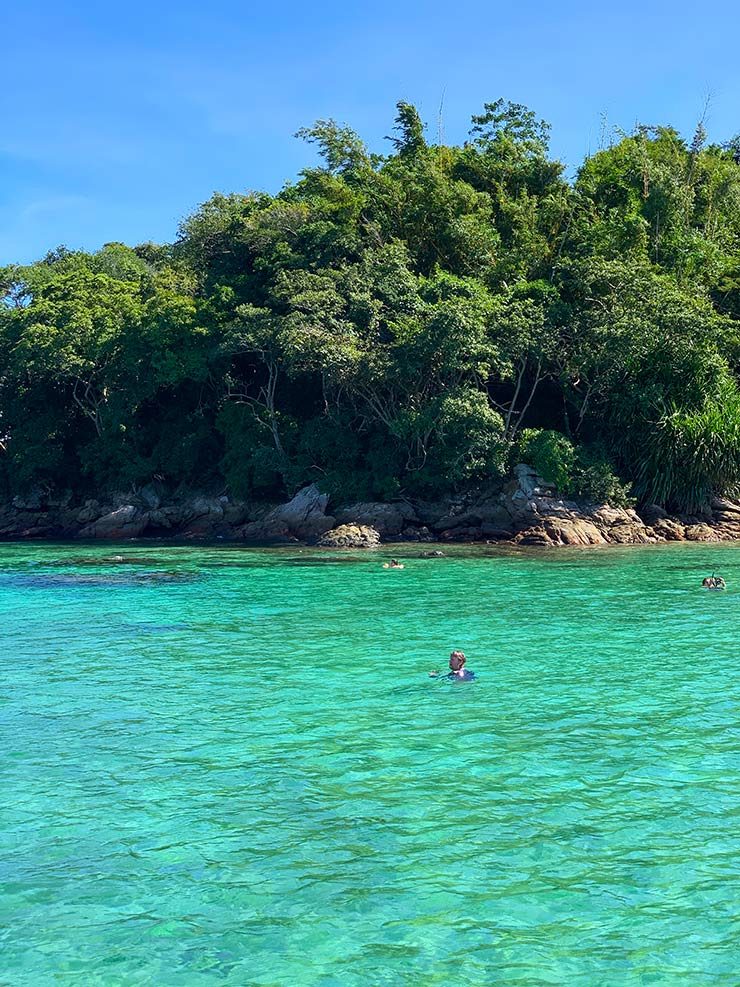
(520,514)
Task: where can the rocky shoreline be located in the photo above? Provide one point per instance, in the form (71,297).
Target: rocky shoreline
(524,511)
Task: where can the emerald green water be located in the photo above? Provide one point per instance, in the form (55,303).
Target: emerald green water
(230,767)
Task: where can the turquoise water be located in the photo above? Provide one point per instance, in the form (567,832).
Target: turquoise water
(230,767)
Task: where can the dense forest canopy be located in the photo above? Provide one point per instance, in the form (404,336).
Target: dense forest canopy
(400,325)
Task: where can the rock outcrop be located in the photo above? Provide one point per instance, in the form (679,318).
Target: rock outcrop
(351,536)
(524,511)
(303,518)
(389,520)
(541,518)
(124,522)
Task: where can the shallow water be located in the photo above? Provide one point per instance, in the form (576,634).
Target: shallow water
(230,767)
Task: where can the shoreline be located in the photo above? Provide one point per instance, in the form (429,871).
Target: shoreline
(522,513)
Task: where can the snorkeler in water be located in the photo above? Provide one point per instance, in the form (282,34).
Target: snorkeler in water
(458,672)
(713,582)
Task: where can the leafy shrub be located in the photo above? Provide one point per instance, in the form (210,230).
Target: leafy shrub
(466,443)
(595,480)
(575,471)
(551,453)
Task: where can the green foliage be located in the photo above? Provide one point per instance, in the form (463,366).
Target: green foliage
(594,479)
(399,324)
(410,141)
(575,470)
(340,147)
(551,454)
(692,454)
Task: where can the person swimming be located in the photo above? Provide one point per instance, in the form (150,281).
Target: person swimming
(713,582)
(458,672)
(393,564)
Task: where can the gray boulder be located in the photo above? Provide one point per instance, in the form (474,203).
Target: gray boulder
(303,518)
(149,497)
(431,512)
(31,502)
(305,515)
(124,522)
(389,520)
(91,511)
(202,517)
(267,533)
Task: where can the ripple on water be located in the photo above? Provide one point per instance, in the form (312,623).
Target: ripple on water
(77,580)
(249,778)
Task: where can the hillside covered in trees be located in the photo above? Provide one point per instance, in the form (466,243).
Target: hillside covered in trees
(405,324)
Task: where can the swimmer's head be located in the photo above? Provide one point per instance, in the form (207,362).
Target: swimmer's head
(457,660)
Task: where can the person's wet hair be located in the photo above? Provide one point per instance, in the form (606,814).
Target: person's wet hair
(457,660)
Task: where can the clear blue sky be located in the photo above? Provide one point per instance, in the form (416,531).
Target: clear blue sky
(118,119)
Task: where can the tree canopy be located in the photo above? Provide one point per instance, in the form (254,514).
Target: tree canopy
(400,324)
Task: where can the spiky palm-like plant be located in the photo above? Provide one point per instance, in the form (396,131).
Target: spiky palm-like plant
(692,455)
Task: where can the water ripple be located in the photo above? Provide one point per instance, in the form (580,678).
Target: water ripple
(244,776)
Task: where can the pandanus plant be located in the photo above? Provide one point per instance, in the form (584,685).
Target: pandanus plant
(691,455)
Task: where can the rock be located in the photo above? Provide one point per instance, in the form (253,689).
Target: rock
(726,513)
(728,532)
(535,537)
(452,521)
(389,520)
(351,536)
(165,519)
(303,518)
(652,513)
(470,532)
(149,497)
(606,516)
(305,514)
(201,517)
(497,534)
(430,512)
(492,512)
(688,519)
(575,531)
(630,533)
(425,534)
(200,507)
(267,532)
(669,530)
(124,522)
(236,513)
(543,520)
(529,483)
(701,532)
(33,501)
(90,512)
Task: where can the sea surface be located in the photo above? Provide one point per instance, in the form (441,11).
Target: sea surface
(224,766)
